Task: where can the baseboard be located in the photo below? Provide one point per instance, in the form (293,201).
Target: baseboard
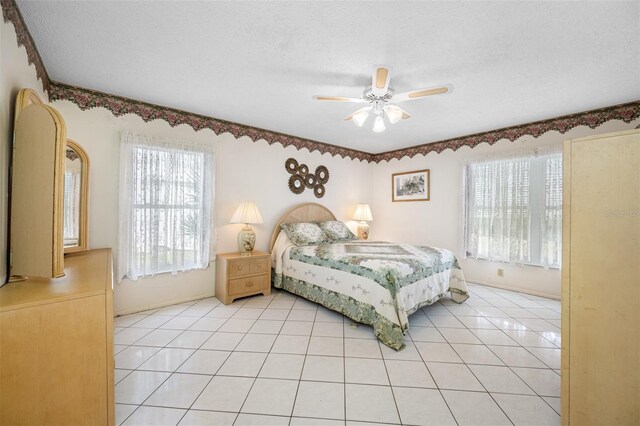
(518,290)
(163,304)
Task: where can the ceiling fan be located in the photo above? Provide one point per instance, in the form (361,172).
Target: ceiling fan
(382,100)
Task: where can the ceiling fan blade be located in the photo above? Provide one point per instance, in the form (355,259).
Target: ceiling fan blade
(422,93)
(380,81)
(338,99)
(405,114)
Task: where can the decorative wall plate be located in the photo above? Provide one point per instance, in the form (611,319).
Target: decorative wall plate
(322,174)
(301,178)
(296,184)
(291,165)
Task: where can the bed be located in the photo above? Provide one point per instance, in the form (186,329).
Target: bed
(372,282)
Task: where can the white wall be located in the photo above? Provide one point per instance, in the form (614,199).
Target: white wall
(15,74)
(438,222)
(244,171)
(255,171)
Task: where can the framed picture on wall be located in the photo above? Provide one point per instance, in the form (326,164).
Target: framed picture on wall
(410,186)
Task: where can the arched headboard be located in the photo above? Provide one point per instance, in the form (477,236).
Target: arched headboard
(308,212)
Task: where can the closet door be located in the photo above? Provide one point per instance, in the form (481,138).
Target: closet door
(601,280)
(37,193)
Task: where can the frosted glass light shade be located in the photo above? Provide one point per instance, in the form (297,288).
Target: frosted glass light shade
(363,212)
(394,114)
(247,212)
(360,117)
(378,125)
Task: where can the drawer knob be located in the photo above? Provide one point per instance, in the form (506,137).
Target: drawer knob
(239,267)
(259,265)
(249,284)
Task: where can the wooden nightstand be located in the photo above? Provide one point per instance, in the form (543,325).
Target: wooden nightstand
(239,276)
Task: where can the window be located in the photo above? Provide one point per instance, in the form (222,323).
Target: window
(513,209)
(166,206)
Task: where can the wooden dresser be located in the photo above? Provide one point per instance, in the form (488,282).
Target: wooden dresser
(56,346)
(239,276)
(601,280)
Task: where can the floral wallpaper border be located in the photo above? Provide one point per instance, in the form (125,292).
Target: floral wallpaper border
(86,99)
(593,119)
(11,13)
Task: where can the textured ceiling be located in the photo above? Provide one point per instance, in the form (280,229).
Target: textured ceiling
(260,63)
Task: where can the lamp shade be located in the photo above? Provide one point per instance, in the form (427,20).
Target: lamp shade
(247,212)
(363,212)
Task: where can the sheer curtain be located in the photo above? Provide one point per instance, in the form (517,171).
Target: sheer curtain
(498,219)
(166,206)
(551,217)
(71,207)
(513,208)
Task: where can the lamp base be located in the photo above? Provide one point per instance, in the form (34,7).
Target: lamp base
(363,230)
(246,241)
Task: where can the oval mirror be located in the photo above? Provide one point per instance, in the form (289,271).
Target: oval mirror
(76,191)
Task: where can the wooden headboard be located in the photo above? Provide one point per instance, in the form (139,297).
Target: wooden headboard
(308,212)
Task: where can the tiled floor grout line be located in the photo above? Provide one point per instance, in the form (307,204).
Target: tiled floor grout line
(445,306)
(511,369)
(304,362)
(434,380)
(212,376)
(136,369)
(176,370)
(264,361)
(173,372)
(393,394)
(473,373)
(484,387)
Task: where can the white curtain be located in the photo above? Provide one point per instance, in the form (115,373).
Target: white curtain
(551,218)
(513,208)
(166,206)
(71,231)
(498,218)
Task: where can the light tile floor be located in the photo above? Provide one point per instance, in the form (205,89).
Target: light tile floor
(281,360)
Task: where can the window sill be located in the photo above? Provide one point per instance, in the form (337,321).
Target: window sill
(533,265)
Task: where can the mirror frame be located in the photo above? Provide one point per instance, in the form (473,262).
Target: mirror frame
(24,98)
(83,238)
(27,97)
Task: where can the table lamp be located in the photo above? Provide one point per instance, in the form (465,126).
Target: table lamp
(246,213)
(363,214)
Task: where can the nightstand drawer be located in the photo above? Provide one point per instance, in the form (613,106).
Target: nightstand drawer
(259,266)
(239,267)
(243,285)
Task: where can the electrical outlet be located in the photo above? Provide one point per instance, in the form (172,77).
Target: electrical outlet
(500,272)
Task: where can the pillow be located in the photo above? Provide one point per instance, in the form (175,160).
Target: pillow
(304,233)
(337,231)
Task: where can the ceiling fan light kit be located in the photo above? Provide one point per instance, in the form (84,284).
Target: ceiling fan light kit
(360,116)
(382,100)
(378,125)
(394,113)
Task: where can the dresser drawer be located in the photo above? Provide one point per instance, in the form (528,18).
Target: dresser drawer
(239,267)
(243,285)
(259,266)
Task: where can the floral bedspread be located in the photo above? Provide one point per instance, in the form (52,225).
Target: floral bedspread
(371,282)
